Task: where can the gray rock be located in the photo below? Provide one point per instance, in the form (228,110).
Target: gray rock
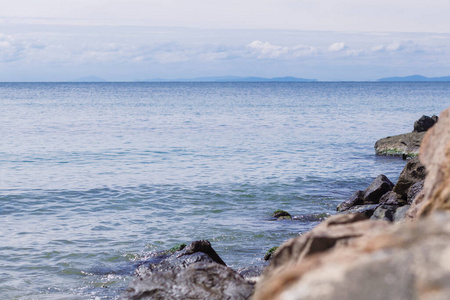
(392,198)
(424,123)
(385,212)
(400,145)
(400,213)
(251,271)
(380,186)
(367,210)
(413,191)
(195,272)
(355,199)
(413,172)
(198,281)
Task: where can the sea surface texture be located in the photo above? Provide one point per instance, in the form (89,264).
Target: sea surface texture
(97,176)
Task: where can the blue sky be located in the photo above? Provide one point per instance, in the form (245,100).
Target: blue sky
(50,40)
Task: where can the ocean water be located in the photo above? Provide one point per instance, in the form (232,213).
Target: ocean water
(97,176)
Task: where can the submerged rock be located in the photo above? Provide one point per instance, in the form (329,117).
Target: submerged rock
(282,215)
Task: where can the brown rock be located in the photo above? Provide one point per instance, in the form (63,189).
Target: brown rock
(435,155)
(403,144)
(413,172)
(407,261)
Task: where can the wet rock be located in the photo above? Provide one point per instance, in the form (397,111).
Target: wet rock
(282,215)
(407,261)
(424,123)
(380,186)
(400,145)
(367,210)
(197,281)
(413,172)
(270,253)
(355,199)
(385,212)
(251,272)
(193,272)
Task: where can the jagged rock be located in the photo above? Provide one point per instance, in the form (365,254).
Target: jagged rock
(380,186)
(424,123)
(335,231)
(413,172)
(355,199)
(197,281)
(194,272)
(403,262)
(384,212)
(413,191)
(400,145)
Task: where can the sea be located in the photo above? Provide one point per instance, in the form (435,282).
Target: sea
(96,177)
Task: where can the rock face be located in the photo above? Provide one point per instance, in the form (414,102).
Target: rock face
(407,261)
(435,155)
(195,272)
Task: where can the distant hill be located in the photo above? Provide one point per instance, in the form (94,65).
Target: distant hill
(416,78)
(235,79)
(90,79)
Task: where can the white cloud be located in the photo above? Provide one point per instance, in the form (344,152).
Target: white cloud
(337,47)
(266,50)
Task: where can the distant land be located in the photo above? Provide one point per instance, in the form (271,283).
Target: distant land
(415,78)
(233,79)
(412,78)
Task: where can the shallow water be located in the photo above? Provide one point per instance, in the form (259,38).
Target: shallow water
(96,176)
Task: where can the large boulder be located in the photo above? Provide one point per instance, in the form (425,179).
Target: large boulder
(413,172)
(408,261)
(406,144)
(194,272)
(425,123)
(355,199)
(435,155)
(198,281)
(380,186)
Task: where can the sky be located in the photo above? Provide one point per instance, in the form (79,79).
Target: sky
(329,40)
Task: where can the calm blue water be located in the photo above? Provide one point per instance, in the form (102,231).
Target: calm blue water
(96,176)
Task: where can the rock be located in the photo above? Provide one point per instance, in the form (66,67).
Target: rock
(400,213)
(380,186)
(270,252)
(435,155)
(384,212)
(251,272)
(193,272)
(424,123)
(413,191)
(413,172)
(355,199)
(335,231)
(407,261)
(367,210)
(197,281)
(282,215)
(400,145)
(392,198)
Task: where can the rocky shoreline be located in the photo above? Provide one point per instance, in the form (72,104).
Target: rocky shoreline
(390,241)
